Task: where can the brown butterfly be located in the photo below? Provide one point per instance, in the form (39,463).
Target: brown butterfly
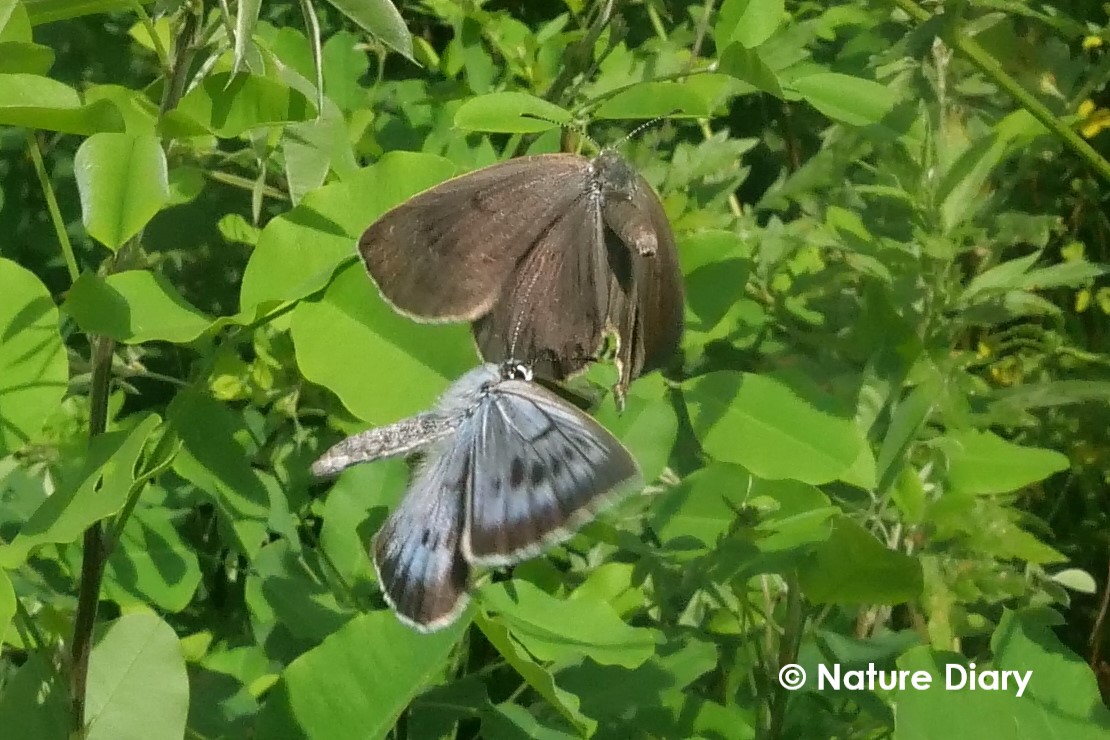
(546,255)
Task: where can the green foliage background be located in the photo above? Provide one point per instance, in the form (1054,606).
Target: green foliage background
(885,441)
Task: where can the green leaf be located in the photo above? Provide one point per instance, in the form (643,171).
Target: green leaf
(748,22)
(792,516)
(652,100)
(152,564)
(1050,394)
(906,421)
(282,590)
(312,149)
(1063,275)
(1005,540)
(15,25)
(98,491)
(852,100)
(1061,698)
(34,370)
(123,182)
(358,491)
(345,65)
(299,250)
(401,366)
(982,462)
(229,105)
(959,188)
(704,507)
(507,721)
(716,265)
(7,603)
(133,307)
(645,695)
(1076,580)
(22,57)
(35,701)
(1003,276)
(357,682)
(186,183)
(138,688)
(558,629)
(510,113)
(381,20)
(436,712)
(139,112)
(762,424)
(535,675)
(214,459)
(648,425)
(51,11)
(38,102)
(222,689)
(852,567)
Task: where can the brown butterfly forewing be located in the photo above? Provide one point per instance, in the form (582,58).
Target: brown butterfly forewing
(545,254)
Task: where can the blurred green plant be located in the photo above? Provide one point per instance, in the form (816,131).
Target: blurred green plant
(886,441)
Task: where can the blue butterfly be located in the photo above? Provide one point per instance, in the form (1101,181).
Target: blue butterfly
(508,469)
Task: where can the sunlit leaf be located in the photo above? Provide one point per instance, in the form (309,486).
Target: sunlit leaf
(138,688)
(123,182)
(33,366)
(357,682)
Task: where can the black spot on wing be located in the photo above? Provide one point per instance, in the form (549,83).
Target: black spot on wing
(516,473)
(538,473)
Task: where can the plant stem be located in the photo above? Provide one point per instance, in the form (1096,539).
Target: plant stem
(788,653)
(93,555)
(148,24)
(990,67)
(312,25)
(582,51)
(52,207)
(1100,620)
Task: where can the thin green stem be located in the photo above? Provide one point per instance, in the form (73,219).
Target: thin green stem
(656,22)
(24,622)
(148,24)
(241,182)
(700,33)
(990,67)
(733,201)
(312,24)
(229,23)
(52,207)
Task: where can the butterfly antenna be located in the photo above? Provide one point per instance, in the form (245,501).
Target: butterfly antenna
(567,125)
(645,126)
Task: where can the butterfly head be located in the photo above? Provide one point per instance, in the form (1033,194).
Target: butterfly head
(515,370)
(613,175)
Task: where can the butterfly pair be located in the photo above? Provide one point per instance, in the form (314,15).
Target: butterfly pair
(508,469)
(546,255)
